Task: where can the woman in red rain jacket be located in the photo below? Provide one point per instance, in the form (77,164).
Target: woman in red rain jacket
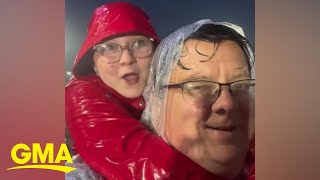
(103,101)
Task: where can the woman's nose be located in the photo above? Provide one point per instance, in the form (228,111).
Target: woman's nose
(127,57)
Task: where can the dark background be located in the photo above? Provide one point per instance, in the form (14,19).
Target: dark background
(166,16)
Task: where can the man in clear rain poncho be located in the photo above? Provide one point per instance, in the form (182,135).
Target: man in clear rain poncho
(200,96)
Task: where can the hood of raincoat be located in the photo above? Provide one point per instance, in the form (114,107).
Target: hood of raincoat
(108,21)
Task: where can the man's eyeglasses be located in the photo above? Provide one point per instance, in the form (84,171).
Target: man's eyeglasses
(111,52)
(205,92)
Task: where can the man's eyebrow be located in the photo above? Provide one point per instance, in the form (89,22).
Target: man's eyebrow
(197,76)
(241,75)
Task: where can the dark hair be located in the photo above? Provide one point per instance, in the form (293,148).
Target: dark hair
(218,33)
(85,66)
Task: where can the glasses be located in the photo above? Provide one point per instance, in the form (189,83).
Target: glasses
(207,92)
(111,52)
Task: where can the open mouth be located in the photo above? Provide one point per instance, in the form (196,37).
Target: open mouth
(131,78)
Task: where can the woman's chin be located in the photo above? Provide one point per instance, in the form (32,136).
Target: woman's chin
(131,94)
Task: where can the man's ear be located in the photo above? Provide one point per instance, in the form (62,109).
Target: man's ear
(155,110)
(158,116)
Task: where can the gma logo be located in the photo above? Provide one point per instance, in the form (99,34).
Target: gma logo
(46,157)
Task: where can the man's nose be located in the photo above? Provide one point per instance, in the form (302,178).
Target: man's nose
(127,57)
(224,103)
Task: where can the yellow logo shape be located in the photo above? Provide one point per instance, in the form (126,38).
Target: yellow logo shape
(37,153)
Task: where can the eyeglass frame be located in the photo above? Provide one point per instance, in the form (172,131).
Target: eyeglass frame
(95,47)
(181,85)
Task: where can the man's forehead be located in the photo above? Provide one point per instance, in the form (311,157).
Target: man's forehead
(229,57)
(201,51)
(207,73)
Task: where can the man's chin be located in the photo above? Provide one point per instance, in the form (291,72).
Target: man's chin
(225,166)
(225,154)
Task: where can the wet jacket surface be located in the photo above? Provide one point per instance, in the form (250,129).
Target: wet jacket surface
(108,135)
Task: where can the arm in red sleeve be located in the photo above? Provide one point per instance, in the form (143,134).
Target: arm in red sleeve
(116,145)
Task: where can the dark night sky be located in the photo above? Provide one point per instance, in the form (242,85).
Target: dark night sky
(166,15)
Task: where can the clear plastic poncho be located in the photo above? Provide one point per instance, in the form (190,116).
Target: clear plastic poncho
(164,60)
